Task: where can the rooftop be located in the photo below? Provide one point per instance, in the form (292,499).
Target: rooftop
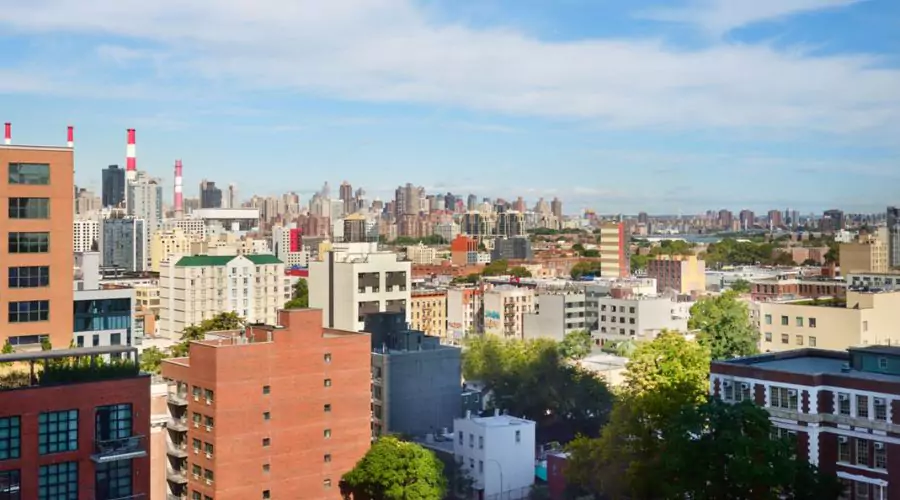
(68,366)
(819,362)
(222,260)
(500,421)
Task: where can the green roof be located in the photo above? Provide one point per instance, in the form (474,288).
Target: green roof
(221,260)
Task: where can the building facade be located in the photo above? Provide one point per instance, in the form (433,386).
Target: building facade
(104,317)
(682,273)
(869,254)
(638,318)
(145,202)
(237,431)
(498,452)
(555,315)
(614,258)
(123,243)
(505,308)
(167,243)
(85,235)
(36,259)
(465,312)
(428,312)
(512,248)
(113,186)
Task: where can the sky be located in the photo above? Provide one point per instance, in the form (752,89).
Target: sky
(662,106)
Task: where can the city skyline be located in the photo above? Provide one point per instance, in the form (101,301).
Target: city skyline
(647,108)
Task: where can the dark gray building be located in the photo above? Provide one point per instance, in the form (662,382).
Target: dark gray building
(512,248)
(113,186)
(210,195)
(893,225)
(123,243)
(416,381)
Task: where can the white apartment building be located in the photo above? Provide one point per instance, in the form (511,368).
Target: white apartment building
(463,312)
(166,243)
(638,318)
(499,454)
(199,287)
(86,232)
(193,227)
(144,201)
(355,279)
(886,281)
(421,254)
(505,308)
(281,247)
(555,315)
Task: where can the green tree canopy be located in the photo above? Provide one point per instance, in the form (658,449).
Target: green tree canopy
(395,470)
(496,268)
(299,296)
(639,262)
(520,272)
(585,268)
(151,359)
(576,345)
(741,286)
(724,325)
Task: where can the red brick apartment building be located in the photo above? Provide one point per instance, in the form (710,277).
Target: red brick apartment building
(793,287)
(843,408)
(78,435)
(279,412)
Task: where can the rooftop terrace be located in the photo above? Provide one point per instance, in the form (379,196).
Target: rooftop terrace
(68,366)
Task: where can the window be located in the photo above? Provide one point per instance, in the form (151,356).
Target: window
(327,357)
(29,276)
(327,382)
(327,458)
(29,208)
(196,442)
(768,336)
(29,242)
(862,406)
(811,322)
(880,456)
(880,409)
(518,436)
(266,442)
(744,394)
(782,397)
(29,311)
(862,490)
(267,415)
(209,423)
(812,341)
(460,435)
(882,363)
(784,321)
(266,494)
(57,431)
(481,467)
(798,321)
(266,468)
(784,338)
(326,483)
(113,479)
(480,442)
(727,390)
(10,438)
(208,394)
(327,434)
(198,418)
(843,449)
(799,339)
(327,408)
(471,440)
(36,174)
(865,326)
(266,389)
(58,481)
(113,422)
(862,452)
(843,403)
(208,449)
(11,484)
(768,319)
(208,476)
(197,392)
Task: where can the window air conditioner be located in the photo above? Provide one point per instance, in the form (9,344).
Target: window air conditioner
(843,397)
(792,393)
(726,383)
(745,386)
(842,439)
(879,446)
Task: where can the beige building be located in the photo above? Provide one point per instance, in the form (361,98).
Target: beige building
(682,273)
(505,308)
(869,254)
(613,247)
(199,287)
(146,296)
(166,243)
(421,254)
(867,318)
(159,444)
(428,312)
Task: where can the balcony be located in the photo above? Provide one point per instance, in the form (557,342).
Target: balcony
(177,424)
(178,476)
(126,448)
(177,399)
(177,449)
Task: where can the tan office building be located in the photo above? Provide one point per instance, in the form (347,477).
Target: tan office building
(869,254)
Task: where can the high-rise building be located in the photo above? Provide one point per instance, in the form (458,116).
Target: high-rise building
(123,243)
(643,218)
(86,202)
(472,202)
(238,428)
(832,221)
(774,219)
(113,186)
(725,219)
(556,207)
(345,192)
(614,258)
(36,258)
(747,219)
(145,202)
(893,226)
(86,234)
(210,195)
(231,199)
(79,430)
(167,243)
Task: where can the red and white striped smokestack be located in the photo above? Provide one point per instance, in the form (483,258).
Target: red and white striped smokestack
(7,134)
(179,202)
(70,137)
(131,157)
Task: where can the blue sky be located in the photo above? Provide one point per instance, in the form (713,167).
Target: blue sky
(661,106)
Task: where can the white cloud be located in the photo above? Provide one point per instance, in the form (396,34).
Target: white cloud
(721,16)
(388,51)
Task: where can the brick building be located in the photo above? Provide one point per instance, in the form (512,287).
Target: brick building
(276,412)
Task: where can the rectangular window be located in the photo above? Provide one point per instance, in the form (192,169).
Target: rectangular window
(460,435)
(10,485)
(57,431)
(326,483)
(327,434)
(843,449)
(784,321)
(266,389)
(29,242)
(481,466)
(113,479)
(862,452)
(480,442)
(267,415)
(114,422)
(29,276)
(862,490)
(208,476)
(208,422)
(880,409)
(843,403)
(799,339)
(327,408)
(812,341)
(727,390)
(880,456)
(327,358)
(327,458)
(518,436)
(882,363)
(266,442)
(768,336)
(327,382)
(29,208)
(208,394)
(196,444)
(471,440)
(768,319)
(35,174)
(782,397)
(29,311)
(744,393)
(862,406)
(784,338)
(208,449)
(798,321)
(10,438)
(811,322)
(58,481)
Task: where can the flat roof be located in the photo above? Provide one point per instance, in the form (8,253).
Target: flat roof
(812,362)
(499,421)
(66,353)
(42,148)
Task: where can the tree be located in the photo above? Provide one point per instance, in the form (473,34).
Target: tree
(151,359)
(741,286)
(222,322)
(833,255)
(578,248)
(45,344)
(7,348)
(300,296)
(576,345)
(724,324)
(585,268)
(520,272)
(471,279)
(395,470)
(495,268)
(810,263)
(639,262)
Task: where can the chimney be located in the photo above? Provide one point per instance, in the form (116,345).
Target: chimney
(130,157)
(179,207)
(70,137)
(7,136)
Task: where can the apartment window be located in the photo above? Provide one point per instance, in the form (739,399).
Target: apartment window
(327,434)
(843,403)
(57,431)
(29,208)
(208,449)
(113,422)
(113,479)
(782,397)
(208,394)
(843,449)
(326,483)
(631,310)
(95,340)
(58,481)
(36,174)
(471,463)
(209,423)
(811,322)
(29,276)
(862,490)
(266,389)
(744,393)
(631,321)
(784,321)
(266,494)
(768,319)
(327,408)
(10,438)
(29,242)
(768,336)
(327,358)
(327,458)
(208,476)
(862,452)
(882,363)
(29,311)
(10,480)
(460,435)
(862,406)
(480,442)
(327,382)
(267,415)
(518,436)
(266,442)
(880,456)
(197,392)
(798,321)
(727,390)
(80,341)
(471,440)
(880,409)
(481,466)
(266,468)
(197,443)
(799,339)
(812,341)
(784,338)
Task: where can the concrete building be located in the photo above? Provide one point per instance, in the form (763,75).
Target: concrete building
(428,312)
(887,281)
(145,202)
(463,250)
(682,273)
(85,235)
(556,314)
(113,186)
(416,381)
(465,312)
(146,296)
(356,279)
(614,258)
(194,228)
(123,243)
(869,254)
(74,440)
(103,317)
(893,227)
(238,427)
(865,318)
(167,243)
(505,308)
(498,452)
(210,195)
(287,245)
(841,408)
(512,248)
(421,254)
(638,318)
(36,255)
(196,288)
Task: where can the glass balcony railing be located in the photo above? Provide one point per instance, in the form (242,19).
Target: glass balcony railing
(108,450)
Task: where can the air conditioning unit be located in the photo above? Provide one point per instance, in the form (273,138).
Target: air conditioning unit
(727,383)
(843,439)
(792,393)
(879,446)
(843,397)
(879,402)
(744,386)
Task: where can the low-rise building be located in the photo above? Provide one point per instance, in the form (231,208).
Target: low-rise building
(512,248)
(887,281)
(428,312)
(639,317)
(556,314)
(792,286)
(465,306)
(682,273)
(421,254)
(505,308)
(868,254)
(498,452)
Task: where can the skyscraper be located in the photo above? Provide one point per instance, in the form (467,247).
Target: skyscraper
(124,243)
(893,226)
(557,209)
(472,202)
(346,195)
(145,202)
(113,190)
(210,195)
